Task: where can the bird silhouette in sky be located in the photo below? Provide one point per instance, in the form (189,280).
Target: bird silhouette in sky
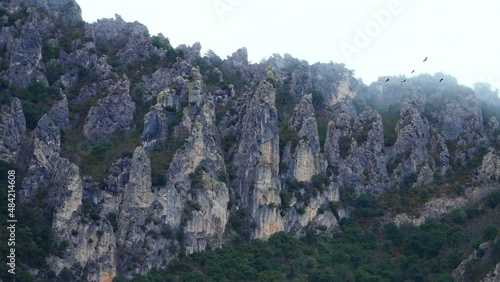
(412,71)
(403,80)
(425,59)
(387,80)
(441,79)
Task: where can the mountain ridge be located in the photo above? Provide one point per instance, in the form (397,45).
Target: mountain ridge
(138,153)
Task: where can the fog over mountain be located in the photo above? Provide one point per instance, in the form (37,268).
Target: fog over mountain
(374,38)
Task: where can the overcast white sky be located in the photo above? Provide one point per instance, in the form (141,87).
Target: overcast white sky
(372,37)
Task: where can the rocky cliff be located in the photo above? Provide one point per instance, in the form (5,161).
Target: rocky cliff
(142,152)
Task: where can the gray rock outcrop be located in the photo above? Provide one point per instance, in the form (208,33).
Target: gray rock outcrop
(258,159)
(12,130)
(113,112)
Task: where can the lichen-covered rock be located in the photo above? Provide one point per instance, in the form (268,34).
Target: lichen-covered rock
(196,88)
(344,90)
(12,130)
(461,116)
(193,200)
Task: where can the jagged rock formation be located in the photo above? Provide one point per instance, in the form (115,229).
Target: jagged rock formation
(460,273)
(354,146)
(112,113)
(59,113)
(304,158)
(485,183)
(258,159)
(90,246)
(493,275)
(191,144)
(12,130)
(490,167)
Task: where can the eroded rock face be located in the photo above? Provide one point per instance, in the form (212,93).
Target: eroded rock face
(12,130)
(258,163)
(354,147)
(195,199)
(156,127)
(137,199)
(493,275)
(90,246)
(413,136)
(25,52)
(315,213)
(301,80)
(490,167)
(228,140)
(437,207)
(462,124)
(484,252)
(462,118)
(67,11)
(46,150)
(59,113)
(116,32)
(192,202)
(113,112)
(305,160)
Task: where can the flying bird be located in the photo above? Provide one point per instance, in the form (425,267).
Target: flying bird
(387,80)
(441,79)
(425,59)
(412,71)
(403,80)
